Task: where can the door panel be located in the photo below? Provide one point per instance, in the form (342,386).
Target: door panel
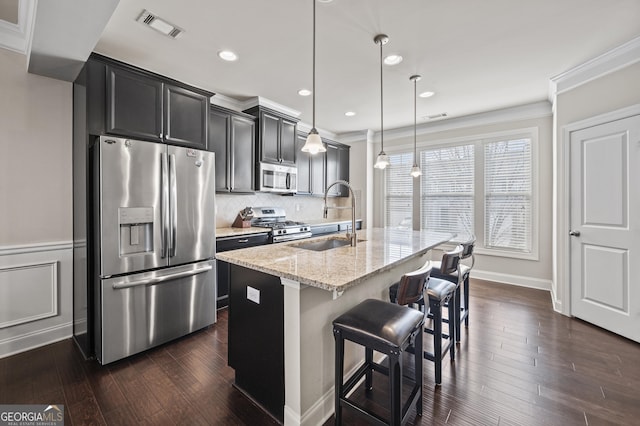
(130,211)
(605,213)
(193,204)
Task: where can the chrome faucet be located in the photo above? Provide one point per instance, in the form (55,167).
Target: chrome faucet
(351,236)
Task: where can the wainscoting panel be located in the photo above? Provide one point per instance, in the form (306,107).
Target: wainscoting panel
(20,284)
(36,291)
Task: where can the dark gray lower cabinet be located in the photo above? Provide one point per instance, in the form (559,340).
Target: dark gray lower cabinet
(231,137)
(256,337)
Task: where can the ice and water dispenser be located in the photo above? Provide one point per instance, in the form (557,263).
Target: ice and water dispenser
(136,230)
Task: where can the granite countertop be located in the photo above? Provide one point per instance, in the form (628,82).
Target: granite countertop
(236,232)
(339,268)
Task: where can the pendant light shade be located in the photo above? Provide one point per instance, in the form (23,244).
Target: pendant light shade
(415,170)
(313,144)
(383,159)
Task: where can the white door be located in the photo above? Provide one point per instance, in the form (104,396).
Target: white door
(605,226)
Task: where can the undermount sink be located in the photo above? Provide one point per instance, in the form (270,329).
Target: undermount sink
(323,245)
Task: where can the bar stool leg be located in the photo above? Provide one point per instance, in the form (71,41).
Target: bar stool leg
(466,301)
(437,338)
(339,368)
(395,384)
(456,317)
(453,327)
(418,367)
(368,359)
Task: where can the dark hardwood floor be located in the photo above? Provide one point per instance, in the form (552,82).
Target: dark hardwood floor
(519,363)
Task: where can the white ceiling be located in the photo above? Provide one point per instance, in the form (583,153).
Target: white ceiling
(476,55)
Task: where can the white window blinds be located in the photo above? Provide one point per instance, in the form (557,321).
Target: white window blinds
(508,195)
(447,189)
(399,191)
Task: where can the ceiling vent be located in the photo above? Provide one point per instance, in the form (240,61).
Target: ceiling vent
(159,24)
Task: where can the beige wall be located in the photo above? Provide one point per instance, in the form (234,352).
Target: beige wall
(35,155)
(515,271)
(611,92)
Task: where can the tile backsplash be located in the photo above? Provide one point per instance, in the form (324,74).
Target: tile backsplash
(297,207)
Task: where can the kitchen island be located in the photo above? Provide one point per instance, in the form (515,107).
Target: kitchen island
(283,300)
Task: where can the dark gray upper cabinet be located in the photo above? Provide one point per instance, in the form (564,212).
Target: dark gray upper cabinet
(303,165)
(276,136)
(185,117)
(134,104)
(311,169)
(337,167)
(143,105)
(232,138)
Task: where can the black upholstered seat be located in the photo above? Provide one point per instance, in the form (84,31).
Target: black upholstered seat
(389,329)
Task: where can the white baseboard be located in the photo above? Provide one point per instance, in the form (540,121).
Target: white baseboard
(518,280)
(557,303)
(37,281)
(35,339)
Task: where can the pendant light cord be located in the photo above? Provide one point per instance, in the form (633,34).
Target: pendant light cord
(313,88)
(381,103)
(415,120)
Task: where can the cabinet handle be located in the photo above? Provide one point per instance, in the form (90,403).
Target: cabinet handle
(160,135)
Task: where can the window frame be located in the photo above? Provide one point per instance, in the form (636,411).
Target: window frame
(479,141)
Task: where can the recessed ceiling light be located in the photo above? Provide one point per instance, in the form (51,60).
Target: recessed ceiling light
(227,55)
(426,94)
(325,1)
(349,113)
(393,60)
(304,92)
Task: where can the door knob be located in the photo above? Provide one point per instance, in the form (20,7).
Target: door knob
(574,233)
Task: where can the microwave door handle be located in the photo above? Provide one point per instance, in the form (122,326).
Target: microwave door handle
(164,205)
(173,200)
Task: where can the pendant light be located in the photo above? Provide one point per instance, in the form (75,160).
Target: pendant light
(415,170)
(313,144)
(383,159)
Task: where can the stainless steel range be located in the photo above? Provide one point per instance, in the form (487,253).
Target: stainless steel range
(282,229)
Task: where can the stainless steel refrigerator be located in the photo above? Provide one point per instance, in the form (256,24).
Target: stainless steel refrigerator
(155,229)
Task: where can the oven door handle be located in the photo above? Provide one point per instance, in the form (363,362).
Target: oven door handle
(288,181)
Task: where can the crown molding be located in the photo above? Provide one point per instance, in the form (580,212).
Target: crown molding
(611,61)
(17,37)
(227,102)
(517,113)
(366,135)
(258,100)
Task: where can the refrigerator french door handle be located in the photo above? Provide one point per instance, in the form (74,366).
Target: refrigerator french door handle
(164,206)
(162,278)
(173,194)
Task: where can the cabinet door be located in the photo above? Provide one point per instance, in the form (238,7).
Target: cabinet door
(269,136)
(303,164)
(242,154)
(343,168)
(134,105)
(318,180)
(186,117)
(288,138)
(332,169)
(219,135)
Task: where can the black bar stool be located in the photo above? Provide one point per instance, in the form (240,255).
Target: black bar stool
(439,293)
(389,329)
(459,276)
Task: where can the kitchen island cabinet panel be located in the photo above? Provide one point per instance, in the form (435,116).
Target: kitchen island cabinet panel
(256,336)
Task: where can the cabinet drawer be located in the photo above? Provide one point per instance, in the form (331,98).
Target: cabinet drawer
(238,242)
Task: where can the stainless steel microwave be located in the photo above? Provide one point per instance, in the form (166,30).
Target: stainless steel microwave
(277,178)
